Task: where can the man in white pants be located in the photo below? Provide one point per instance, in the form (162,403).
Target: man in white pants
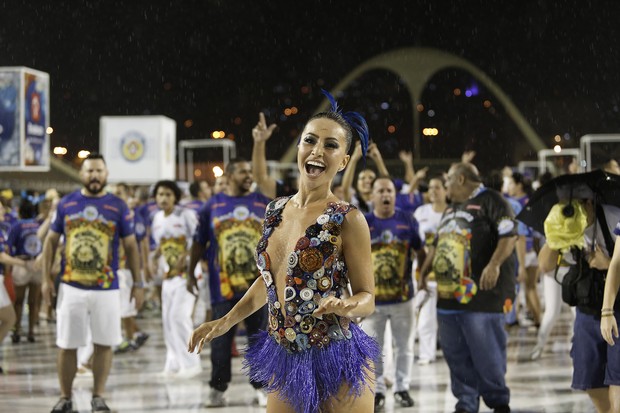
(94,223)
(172,229)
(428,217)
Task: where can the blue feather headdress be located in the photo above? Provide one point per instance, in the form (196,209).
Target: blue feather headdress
(356,120)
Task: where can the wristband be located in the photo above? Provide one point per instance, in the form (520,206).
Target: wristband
(607,315)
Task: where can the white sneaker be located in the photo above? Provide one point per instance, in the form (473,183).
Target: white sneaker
(424,362)
(188,373)
(216,398)
(260,397)
(536,352)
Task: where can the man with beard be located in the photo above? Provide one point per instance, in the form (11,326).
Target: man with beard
(230,220)
(94,224)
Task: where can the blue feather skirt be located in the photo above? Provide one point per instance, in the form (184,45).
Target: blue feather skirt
(308,379)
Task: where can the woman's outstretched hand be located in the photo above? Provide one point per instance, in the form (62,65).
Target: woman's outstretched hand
(204,334)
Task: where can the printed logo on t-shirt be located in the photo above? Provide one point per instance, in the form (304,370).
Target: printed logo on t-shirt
(91,213)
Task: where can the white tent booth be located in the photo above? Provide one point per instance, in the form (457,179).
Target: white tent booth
(138,149)
(598,148)
(546,158)
(187,147)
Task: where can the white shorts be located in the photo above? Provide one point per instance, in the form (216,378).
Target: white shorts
(5,300)
(125,283)
(23,276)
(531,259)
(76,309)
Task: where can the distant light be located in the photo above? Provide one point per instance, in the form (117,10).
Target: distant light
(60,150)
(430,131)
(385,106)
(567,136)
(197,172)
(305,90)
(431,113)
(557,138)
(167,86)
(83,154)
(287,112)
(486,104)
(294,110)
(391,129)
(217,171)
(420,107)
(237,120)
(468,93)
(49,130)
(557,149)
(457,92)
(230,136)
(218,134)
(188,123)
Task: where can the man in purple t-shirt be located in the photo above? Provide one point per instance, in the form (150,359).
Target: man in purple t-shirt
(94,224)
(230,226)
(394,237)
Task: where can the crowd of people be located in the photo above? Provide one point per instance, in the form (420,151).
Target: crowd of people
(353,274)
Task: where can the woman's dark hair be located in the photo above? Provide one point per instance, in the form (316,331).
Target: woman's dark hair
(495,180)
(518,178)
(194,189)
(27,209)
(171,185)
(440,178)
(348,121)
(544,178)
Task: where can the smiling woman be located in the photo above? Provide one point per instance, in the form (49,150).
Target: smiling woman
(313,357)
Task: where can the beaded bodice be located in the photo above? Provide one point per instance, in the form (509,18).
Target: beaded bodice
(314,270)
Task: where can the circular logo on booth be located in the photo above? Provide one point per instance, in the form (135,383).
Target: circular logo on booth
(132,146)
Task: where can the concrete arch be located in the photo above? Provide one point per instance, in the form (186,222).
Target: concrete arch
(416,66)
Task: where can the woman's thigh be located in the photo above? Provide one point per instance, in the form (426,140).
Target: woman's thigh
(346,402)
(342,402)
(276,405)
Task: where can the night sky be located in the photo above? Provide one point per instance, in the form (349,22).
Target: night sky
(217,63)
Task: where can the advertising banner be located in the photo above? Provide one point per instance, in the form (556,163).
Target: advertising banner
(24,119)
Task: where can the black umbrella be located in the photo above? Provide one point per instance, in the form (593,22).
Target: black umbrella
(600,184)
